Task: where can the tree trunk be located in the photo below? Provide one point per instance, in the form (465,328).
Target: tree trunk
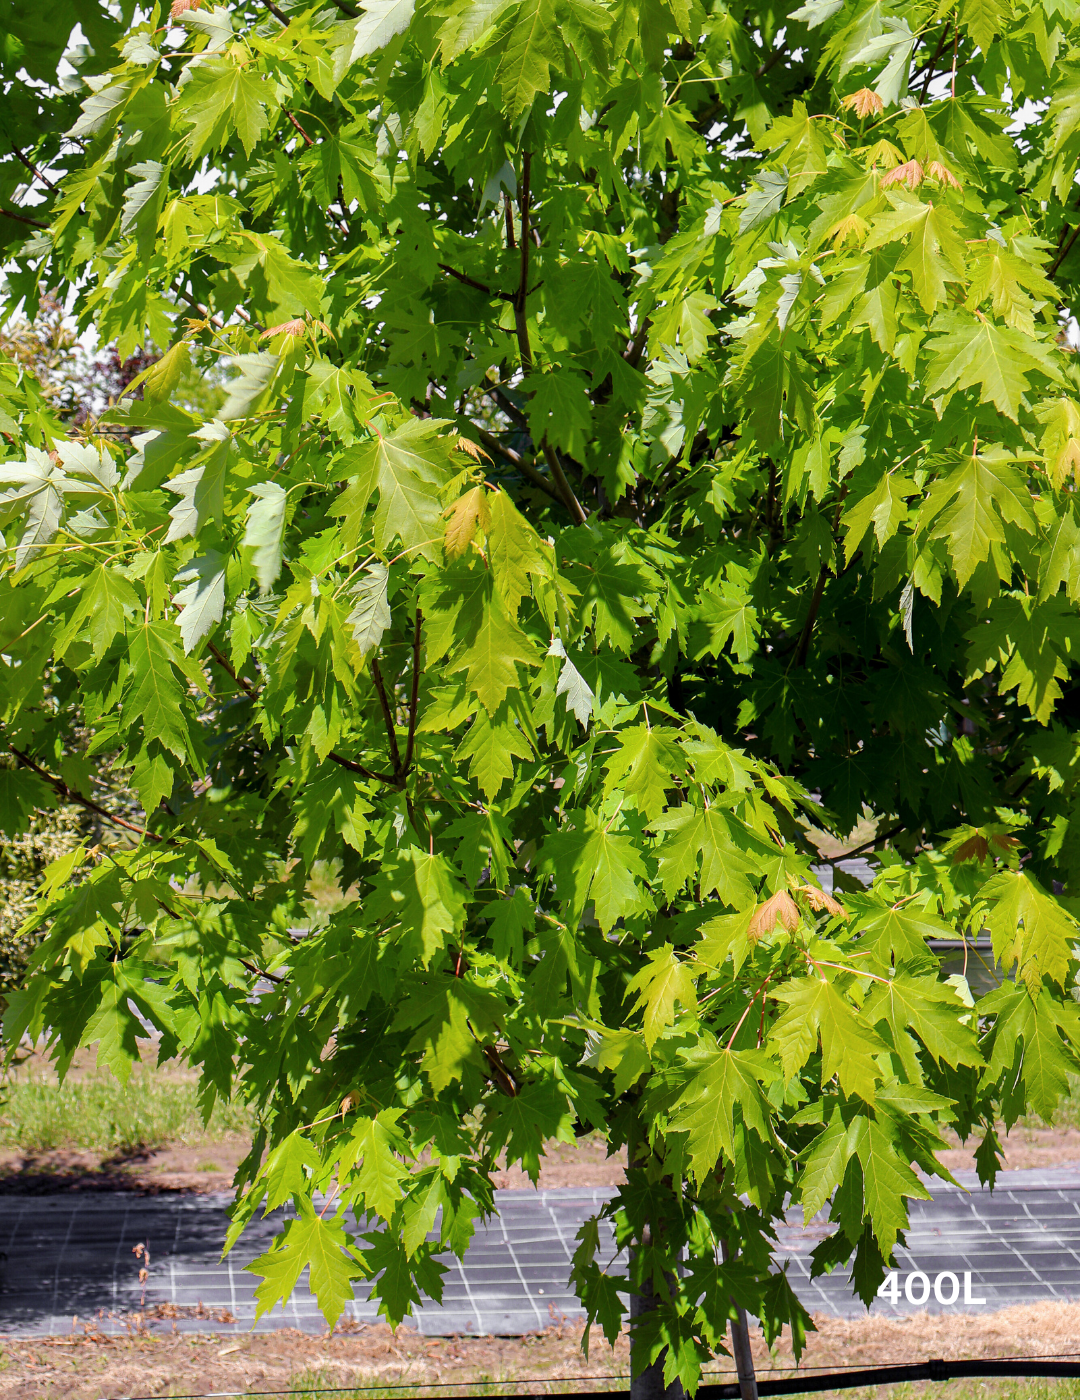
(649,1385)
(740,1346)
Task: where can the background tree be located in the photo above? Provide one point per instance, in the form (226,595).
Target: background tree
(651,442)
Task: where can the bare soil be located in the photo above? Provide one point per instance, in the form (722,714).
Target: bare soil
(87,1364)
(210,1166)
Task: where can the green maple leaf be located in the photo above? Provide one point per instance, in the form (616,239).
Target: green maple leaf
(594,860)
(883,508)
(934,254)
(222,98)
(725,617)
(729,856)
(308,1241)
(106,600)
(410,468)
(155,692)
(492,745)
(522,1124)
(1025,638)
(932,1010)
(1061,560)
(705,1110)
(448,1014)
(202,599)
(663,981)
(289,1169)
(1028,927)
(983,20)
(848,1045)
(511,919)
(644,765)
(492,648)
(531,45)
(264,529)
(973,351)
(986,492)
(419,893)
(826,1163)
(381,1174)
(398,1275)
(896,933)
(515,550)
(887,1180)
(379,23)
(202,487)
(370,616)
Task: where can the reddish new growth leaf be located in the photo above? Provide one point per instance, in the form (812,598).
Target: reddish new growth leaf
(286,327)
(820,899)
(910,174)
(936,171)
(780,909)
(180,7)
(864,103)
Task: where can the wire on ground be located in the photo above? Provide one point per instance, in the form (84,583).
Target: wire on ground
(801,1383)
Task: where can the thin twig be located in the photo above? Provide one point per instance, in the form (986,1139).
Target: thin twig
(521,322)
(866,846)
(635,349)
(387,778)
(808,627)
(32,167)
(930,65)
(388,718)
(226,664)
(414,695)
(479,286)
(307,139)
(1064,252)
(22,218)
(519,463)
(571,502)
(59,786)
(261,972)
(276,12)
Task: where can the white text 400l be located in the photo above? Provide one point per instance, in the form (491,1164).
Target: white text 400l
(946,1289)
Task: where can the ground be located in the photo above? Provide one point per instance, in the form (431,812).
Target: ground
(87,1365)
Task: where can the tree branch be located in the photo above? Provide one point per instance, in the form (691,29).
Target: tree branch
(22,218)
(307,139)
(364,772)
(472,282)
(636,347)
(866,846)
(224,662)
(509,407)
(414,695)
(59,786)
(388,718)
(276,12)
(569,500)
(930,66)
(1064,252)
(519,463)
(31,167)
(803,648)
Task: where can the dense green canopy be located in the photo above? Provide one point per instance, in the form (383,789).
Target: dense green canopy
(651,450)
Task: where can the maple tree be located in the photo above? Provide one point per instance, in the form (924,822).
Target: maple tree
(653,443)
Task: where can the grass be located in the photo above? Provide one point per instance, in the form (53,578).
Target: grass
(97,1114)
(311,1385)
